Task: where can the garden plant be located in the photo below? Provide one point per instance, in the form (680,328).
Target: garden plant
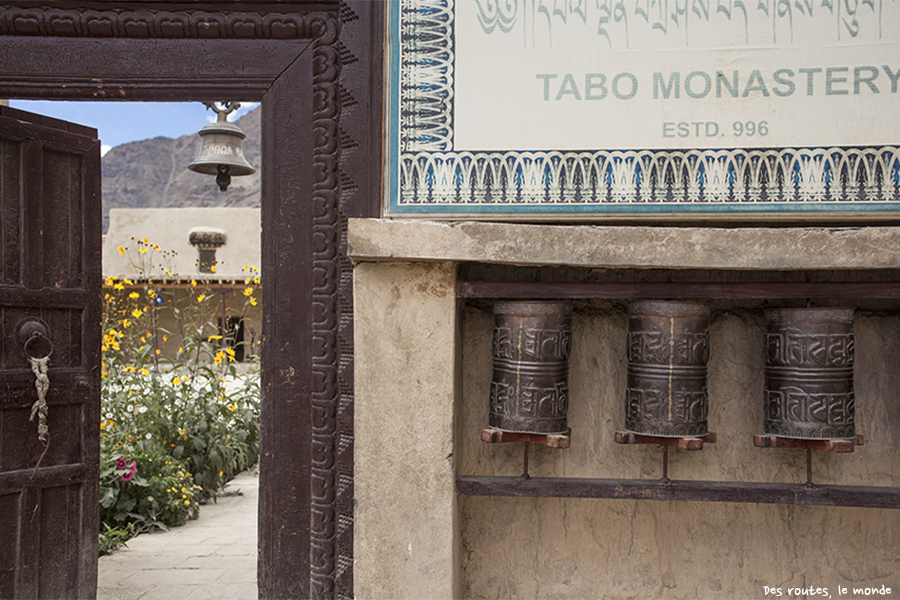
(177,419)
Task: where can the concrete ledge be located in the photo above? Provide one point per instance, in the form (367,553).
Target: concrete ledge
(625,247)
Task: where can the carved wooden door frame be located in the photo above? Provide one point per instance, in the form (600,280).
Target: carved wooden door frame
(316,67)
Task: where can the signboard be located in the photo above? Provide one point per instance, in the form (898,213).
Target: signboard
(630,108)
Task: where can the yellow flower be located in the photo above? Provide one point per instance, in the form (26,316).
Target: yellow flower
(201,297)
(143,250)
(256,280)
(128,281)
(188,502)
(218,358)
(180,432)
(103,423)
(252,301)
(119,286)
(145,241)
(193,283)
(109,281)
(212,269)
(220,473)
(248,291)
(176,381)
(121,250)
(232,408)
(136,313)
(214,337)
(157,351)
(126,323)
(151,293)
(134,295)
(144,372)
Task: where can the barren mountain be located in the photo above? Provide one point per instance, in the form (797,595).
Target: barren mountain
(153,174)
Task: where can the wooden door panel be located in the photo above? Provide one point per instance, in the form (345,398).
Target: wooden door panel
(61,186)
(10,209)
(50,273)
(66,447)
(9,525)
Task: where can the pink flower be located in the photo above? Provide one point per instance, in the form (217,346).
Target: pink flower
(120,463)
(131,471)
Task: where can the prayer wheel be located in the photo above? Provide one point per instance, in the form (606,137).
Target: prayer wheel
(530,388)
(668,348)
(809,373)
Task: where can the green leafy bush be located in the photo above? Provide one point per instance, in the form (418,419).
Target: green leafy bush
(158,494)
(175,426)
(113,537)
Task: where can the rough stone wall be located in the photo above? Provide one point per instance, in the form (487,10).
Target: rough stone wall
(618,549)
(405,535)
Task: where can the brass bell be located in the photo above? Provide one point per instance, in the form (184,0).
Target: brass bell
(221,153)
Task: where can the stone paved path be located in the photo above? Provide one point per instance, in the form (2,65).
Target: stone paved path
(213,557)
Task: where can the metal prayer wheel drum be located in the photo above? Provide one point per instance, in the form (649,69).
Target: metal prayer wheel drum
(809,373)
(668,348)
(530,385)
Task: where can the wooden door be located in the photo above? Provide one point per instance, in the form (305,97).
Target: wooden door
(50,278)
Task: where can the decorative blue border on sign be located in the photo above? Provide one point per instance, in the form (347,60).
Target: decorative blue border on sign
(427,177)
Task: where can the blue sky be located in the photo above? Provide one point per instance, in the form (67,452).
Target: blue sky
(122,122)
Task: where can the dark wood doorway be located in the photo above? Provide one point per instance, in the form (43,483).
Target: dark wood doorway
(49,356)
(315,66)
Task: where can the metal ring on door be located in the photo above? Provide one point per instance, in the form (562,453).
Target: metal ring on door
(33,352)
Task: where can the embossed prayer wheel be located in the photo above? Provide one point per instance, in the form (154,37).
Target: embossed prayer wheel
(530,385)
(809,373)
(668,348)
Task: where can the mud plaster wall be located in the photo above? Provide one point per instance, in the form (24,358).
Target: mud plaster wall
(555,548)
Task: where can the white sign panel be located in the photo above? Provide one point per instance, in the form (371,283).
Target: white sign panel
(570,75)
(580,107)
